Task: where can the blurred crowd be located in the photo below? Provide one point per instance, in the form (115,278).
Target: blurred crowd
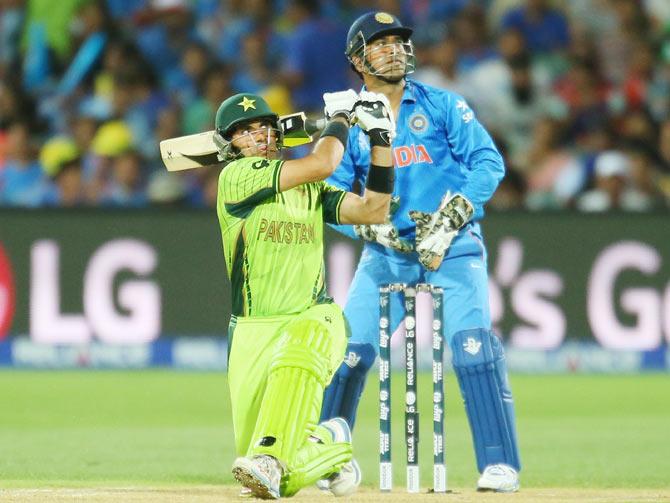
(575,92)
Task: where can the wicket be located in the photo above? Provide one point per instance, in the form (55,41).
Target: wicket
(411,403)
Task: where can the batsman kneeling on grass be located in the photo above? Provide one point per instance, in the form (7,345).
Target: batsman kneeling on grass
(286,336)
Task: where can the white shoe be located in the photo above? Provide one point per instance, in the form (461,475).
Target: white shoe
(339,429)
(245,492)
(261,474)
(499,478)
(346,481)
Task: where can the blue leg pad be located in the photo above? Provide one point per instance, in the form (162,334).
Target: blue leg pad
(479,363)
(344,392)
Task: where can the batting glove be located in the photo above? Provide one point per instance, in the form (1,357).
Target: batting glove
(375,116)
(341,104)
(436,231)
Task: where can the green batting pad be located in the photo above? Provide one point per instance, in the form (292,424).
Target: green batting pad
(315,461)
(292,402)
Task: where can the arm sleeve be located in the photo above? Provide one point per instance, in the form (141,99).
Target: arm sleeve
(343,178)
(332,198)
(248,182)
(474,148)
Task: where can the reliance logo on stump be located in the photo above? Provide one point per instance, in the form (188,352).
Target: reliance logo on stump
(7,294)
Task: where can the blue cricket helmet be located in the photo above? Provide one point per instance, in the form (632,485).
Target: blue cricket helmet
(367,29)
(371,26)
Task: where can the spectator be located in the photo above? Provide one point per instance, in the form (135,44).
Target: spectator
(643,193)
(91,17)
(587,75)
(111,140)
(658,90)
(659,14)
(15,106)
(612,174)
(473,37)
(138,100)
(554,174)
(440,69)
(638,77)
(83,128)
(148,100)
(126,184)
(664,144)
(545,29)
(11,20)
(22,181)
(214,88)
(616,45)
(61,160)
(253,73)
(119,58)
(512,106)
(253,16)
(314,63)
(164,29)
(639,126)
(56,18)
(182,81)
(214,19)
(511,193)
(585,95)
(166,189)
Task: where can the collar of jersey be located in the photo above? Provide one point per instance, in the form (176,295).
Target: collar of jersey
(408,93)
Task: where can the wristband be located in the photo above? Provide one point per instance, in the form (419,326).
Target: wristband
(379,138)
(380,179)
(338,130)
(344,114)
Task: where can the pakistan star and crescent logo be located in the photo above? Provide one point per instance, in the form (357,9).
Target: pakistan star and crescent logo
(247,103)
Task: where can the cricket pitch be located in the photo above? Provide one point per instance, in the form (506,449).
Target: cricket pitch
(216,494)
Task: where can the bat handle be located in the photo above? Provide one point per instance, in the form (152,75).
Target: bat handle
(314,125)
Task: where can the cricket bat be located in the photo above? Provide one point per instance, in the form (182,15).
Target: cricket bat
(199,150)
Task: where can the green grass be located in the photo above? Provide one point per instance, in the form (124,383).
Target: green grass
(162,427)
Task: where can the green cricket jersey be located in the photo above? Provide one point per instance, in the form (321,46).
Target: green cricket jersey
(272,240)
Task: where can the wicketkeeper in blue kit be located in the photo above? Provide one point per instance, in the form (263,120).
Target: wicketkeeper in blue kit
(447,168)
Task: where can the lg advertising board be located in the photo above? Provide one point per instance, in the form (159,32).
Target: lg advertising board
(133,277)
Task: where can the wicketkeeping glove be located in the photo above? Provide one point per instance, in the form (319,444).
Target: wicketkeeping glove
(385,234)
(374,115)
(436,231)
(341,103)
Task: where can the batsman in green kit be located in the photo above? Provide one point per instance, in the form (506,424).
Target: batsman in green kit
(286,336)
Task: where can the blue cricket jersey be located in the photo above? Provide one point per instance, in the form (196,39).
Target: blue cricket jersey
(439,146)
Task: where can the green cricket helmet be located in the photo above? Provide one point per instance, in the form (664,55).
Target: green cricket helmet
(235,111)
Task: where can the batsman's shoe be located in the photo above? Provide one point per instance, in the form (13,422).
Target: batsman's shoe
(261,474)
(339,429)
(340,432)
(346,481)
(499,478)
(245,492)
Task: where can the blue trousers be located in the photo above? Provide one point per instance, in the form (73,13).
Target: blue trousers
(482,376)
(462,275)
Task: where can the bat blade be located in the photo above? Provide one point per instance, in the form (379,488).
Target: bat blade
(191,151)
(199,150)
